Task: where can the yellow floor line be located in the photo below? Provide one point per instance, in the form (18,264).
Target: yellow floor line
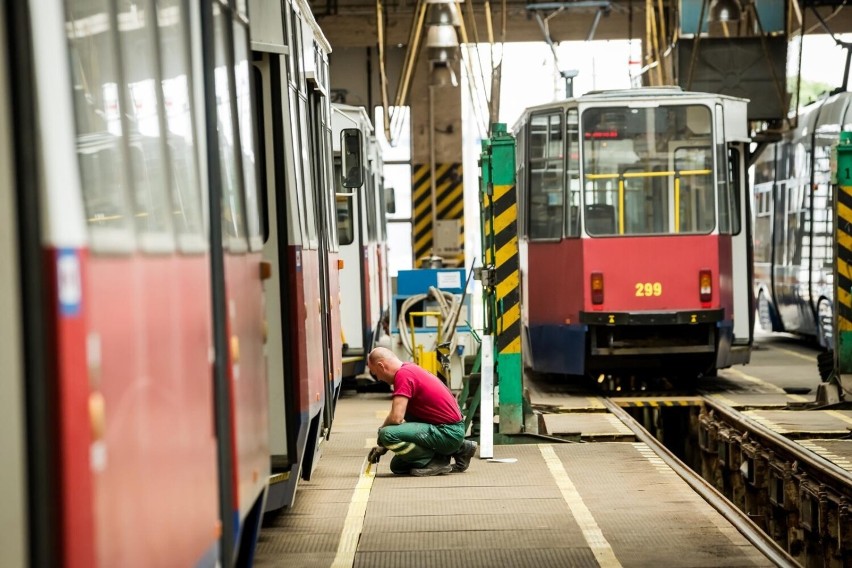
(839,415)
(354,523)
(755,380)
(810,358)
(591,531)
(798,398)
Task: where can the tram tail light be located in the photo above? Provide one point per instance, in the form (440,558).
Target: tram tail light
(705,286)
(597,288)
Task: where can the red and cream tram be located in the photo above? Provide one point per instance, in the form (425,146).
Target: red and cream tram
(635,248)
(142,230)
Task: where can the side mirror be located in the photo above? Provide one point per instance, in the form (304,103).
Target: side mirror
(390,200)
(352,161)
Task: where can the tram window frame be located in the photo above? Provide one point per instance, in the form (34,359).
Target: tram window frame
(736,189)
(553,231)
(573,183)
(288,89)
(234,230)
(723,189)
(187,191)
(317,143)
(370,201)
(328,153)
(260,118)
(246,130)
(298,89)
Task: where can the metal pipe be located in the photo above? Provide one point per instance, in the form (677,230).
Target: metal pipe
(433,197)
(595,23)
(562,5)
(737,518)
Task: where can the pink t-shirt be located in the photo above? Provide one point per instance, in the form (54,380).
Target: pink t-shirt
(429,400)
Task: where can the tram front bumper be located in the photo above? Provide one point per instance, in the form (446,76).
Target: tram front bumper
(652,333)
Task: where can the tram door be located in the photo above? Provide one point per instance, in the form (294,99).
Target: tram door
(741,241)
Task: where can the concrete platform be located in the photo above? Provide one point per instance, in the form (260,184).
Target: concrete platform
(603,504)
(586,426)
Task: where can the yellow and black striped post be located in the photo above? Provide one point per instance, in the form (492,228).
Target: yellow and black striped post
(449,206)
(502,267)
(842,173)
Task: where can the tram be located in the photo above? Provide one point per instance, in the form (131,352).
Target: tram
(167,274)
(634,234)
(304,360)
(794,224)
(362,231)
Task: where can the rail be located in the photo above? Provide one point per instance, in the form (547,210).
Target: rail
(737,518)
(831,474)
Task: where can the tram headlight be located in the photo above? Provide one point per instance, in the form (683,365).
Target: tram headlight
(705,286)
(597,288)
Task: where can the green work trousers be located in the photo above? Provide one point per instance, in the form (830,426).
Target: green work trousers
(414,444)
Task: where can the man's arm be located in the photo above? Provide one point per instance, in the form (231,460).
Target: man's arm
(397,411)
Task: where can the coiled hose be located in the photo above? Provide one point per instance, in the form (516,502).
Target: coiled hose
(449,306)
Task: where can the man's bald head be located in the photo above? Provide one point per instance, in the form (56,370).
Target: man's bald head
(383,363)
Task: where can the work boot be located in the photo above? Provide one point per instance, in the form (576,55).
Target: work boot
(464,455)
(439,465)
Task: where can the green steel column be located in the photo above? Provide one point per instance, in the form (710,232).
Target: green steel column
(842,177)
(500,226)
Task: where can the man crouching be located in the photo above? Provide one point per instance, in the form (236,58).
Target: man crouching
(424,428)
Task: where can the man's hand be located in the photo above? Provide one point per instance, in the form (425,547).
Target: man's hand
(376,453)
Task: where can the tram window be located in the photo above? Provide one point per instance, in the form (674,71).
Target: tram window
(246,130)
(763,223)
(233,219)
(103,163)
(572,151)
(150,170)
(652,165)
(295,48)
(261,142)
(176,84)
(736,190)
(370,202)
(694,190)
(546,176)
(345,222)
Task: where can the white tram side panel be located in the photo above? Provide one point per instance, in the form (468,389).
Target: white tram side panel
(365,288)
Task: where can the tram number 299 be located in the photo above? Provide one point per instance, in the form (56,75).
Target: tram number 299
(644,289)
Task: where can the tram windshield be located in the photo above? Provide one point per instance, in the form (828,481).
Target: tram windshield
(648,170)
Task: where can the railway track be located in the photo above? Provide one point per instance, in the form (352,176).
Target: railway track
(737,517)
(780,476)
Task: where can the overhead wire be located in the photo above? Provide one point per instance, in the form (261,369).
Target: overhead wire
(472,88)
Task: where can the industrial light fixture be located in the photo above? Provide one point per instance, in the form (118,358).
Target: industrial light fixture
(444,14)
(442,75)
(725,11)
(442,43)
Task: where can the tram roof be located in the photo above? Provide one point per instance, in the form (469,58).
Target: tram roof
(634,94)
